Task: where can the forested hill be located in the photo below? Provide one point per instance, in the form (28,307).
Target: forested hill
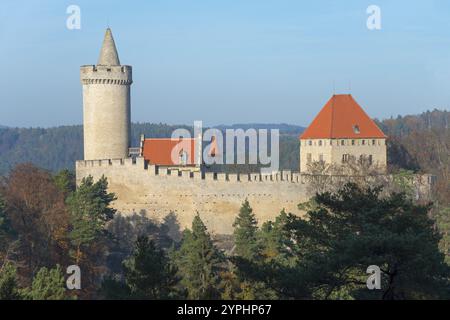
(59,147)
(421,143)
(285,129)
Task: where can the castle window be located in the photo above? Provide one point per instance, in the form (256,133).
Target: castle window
(373,142)
(353,142)
(363,142)
(320,142)
(342,142)
(310,142)
(345,158)
(308,158)
(356,129)
(370,159)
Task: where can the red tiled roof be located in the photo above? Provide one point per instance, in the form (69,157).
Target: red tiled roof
(166,152)
(342,117)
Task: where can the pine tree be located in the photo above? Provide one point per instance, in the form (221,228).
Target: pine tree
(199,262)
(249,253)
(276,241)
(148,273)
(113,288)
(48,284)
(356,227)
(65,181)
(90,211)
(245,233)
(8,282)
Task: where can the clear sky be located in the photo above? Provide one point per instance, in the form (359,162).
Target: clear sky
(227,61)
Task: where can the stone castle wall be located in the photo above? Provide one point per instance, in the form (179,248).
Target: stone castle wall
(217,197)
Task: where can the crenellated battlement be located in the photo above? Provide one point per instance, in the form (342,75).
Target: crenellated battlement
(116,75)
(151,170)
(283,176)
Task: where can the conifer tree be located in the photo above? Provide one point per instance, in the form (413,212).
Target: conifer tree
(8,282)
(245,233)
(112,288)
(199,262)
(90,211)
(247,255)
(353,228)
(148,273)
(276,240)
(48,284)
(65,181)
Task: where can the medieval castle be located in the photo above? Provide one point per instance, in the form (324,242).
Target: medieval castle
(149,178)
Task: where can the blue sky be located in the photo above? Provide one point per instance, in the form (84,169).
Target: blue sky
(227,61)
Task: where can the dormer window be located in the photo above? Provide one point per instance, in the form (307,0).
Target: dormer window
(356,129)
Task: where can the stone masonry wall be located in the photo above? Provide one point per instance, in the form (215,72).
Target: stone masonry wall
(216,197)
(140,187)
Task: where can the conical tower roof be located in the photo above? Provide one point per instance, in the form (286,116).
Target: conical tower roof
(108,54)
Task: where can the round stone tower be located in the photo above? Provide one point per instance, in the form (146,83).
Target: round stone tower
(106,105)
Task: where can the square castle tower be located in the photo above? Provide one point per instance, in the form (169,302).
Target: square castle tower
(341,133)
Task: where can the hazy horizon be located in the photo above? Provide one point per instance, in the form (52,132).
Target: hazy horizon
(215,125)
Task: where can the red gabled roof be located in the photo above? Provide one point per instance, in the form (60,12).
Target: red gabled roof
(165,152)
(342,117)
